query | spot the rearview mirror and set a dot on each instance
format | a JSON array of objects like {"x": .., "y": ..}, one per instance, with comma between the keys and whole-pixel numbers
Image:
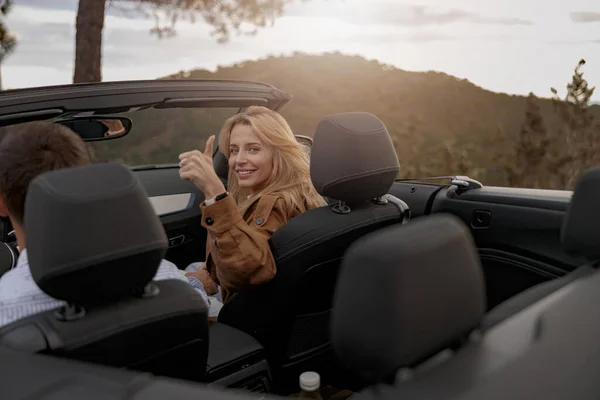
[{"x": 92, "y": 129}]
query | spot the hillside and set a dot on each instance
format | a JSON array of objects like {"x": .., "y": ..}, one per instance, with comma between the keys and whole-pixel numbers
[
  {"x": 443, "y": 106},
  {"x": 424, "y": 111},
  {"x": 321, "y": 84}
]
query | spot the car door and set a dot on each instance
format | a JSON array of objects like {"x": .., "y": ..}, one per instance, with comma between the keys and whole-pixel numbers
[
  {"x": 168, "y": 117},
  {"x": 517, "y": 231}
]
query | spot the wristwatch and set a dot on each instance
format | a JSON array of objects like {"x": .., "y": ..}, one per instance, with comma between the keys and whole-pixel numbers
[{"x": 218, "y": 197}]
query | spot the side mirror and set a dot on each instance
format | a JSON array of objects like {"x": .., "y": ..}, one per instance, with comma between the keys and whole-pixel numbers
[
  {"x": 93, "y": 129},
  {"x": 305, "y": 140}
]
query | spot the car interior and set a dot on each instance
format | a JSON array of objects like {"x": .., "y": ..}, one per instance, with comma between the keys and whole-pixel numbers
[{"x": 395, "y": 289}]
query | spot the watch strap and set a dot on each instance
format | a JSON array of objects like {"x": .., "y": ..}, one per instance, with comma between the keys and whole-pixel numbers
[{"x": 218, "y": 197}]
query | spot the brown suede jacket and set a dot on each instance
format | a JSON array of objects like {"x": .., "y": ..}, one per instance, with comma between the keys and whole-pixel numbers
[{"x": 238, "y": 255}]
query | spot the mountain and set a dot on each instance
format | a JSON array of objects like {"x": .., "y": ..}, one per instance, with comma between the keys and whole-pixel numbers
[
  {"x": 441, "y": 105},
  {"x": 425, "y": 112},
  {"x": 445, "y": 106}
]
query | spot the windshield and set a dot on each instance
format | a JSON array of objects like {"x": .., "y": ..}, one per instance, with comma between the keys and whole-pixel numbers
[{"x": 158, "y": 136}]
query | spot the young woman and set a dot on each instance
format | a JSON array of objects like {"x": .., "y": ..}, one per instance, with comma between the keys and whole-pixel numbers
[{"x": 269, "y": 184}]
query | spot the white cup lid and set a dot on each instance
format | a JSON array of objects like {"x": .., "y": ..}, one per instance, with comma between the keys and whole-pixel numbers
[{"x": 310, "y": 381}]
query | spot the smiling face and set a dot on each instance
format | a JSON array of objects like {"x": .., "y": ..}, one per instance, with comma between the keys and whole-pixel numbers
[{"x": 249, "y": 158}]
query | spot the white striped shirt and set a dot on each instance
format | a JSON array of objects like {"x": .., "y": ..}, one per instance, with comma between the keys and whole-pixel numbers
[{"x": 21, "y": 297}]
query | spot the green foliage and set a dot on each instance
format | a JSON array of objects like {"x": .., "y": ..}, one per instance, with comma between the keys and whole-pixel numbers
[
  {"x": 8, "y": 41},
  {"x": 576, "y": 147},
  {"x": 224, "y": 16},
  {"x": 548, "y": 158},
  {"x": 523, "y": 159},
  {"x": 578, "y": 91},
  {"x": 439, "y": 124},
  {"x": 158, "y": 136}
]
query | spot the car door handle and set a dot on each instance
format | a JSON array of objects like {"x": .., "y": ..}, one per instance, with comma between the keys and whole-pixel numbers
[
  {"x": 176, "y": 240},
  {"x": 481, "y": 219}
]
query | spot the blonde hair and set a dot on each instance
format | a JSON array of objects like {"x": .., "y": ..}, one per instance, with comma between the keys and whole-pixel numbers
[{"x": 291, "y": 169}]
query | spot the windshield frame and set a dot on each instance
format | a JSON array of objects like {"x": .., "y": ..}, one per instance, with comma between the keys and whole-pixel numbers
[{"x": 49, "y": 102}]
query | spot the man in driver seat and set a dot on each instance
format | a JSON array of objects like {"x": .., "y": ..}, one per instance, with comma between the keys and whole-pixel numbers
[{"x": 26, "y": 152}]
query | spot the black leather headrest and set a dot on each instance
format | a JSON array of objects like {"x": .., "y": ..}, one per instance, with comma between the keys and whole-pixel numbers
[
  {"x": 580, "y": 233},
  {"x": 92, "y": 234},
  {"x": 405, "y": 293},
  {"x": 353, "y": 158}
]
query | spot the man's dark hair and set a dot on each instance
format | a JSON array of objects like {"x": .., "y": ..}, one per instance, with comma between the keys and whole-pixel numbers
[{"x": 30, "y": 149}]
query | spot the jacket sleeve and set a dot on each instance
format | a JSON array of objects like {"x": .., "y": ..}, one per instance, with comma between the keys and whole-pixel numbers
[{"x": 240, "y": 251}]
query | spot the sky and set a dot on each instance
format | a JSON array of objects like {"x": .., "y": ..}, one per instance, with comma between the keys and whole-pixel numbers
[{"x": 511, "y": 46}]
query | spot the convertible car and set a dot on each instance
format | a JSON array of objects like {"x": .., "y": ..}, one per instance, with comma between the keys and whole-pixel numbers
[{"x": 397, "y": 289}]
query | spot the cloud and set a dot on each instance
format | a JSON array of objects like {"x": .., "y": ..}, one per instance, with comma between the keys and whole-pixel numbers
[
  {"x": 381, "y": 12},
  {"x": 582, "y": 17},
  {"x": 428, "y": 37},
  {"x": 562, "y": 42},
  {"x": 421, "y": 16},
  {"x": 46, "y": 39},
  {"x": 51, "y": 44},
  {"x": 49, "y": 5},
  {"x": 388, "y": 36},
  {"x": 126, "y": 9},
  {"x": 46, "y": 35},
  {"x": 48, "y": 44},
  {"x": 357, "y": 12}
]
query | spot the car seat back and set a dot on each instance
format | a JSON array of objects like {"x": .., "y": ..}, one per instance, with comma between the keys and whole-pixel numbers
[
  {"x": 354, "y": 162},
  {"x": 95, "y": 242}
]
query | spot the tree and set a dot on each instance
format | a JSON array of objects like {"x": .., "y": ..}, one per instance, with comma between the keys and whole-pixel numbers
[
  {"x": 224, "y": 15},
  {"x": 577, "y": 145},
  {"x": 8, "y": 41},
  {"x": 552, "y": 158},
  {"x": 530, "y": 149}
]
